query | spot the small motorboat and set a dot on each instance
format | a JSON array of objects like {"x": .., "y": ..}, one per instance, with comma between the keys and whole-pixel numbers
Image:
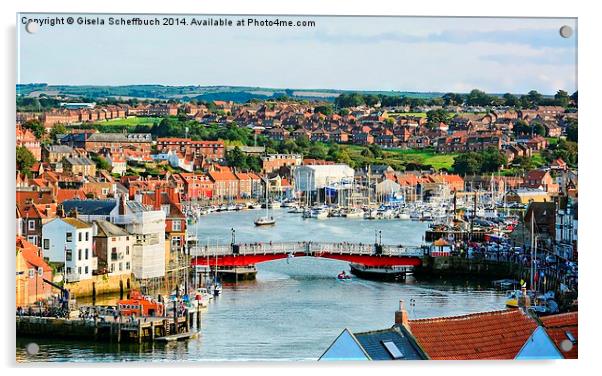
[{"x": 343, "y": 276}]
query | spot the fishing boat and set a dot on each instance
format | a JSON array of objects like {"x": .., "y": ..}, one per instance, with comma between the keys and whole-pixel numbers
[
  {"x": 140, "y": 306},
  {"x": 384, "y": 273}
]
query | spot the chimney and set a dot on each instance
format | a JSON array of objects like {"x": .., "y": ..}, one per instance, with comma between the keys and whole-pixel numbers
[
  {"x": 157, "y": 205},
  {"x": 401, "y": 315},
  {"x": 122, "y": 205}
]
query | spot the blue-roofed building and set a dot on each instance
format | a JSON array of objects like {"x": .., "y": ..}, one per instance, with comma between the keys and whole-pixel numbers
[
  {"x": 539, "y": 346},
  {"x": 90, "y": 210},
  {"x": 395, "y": 343}
]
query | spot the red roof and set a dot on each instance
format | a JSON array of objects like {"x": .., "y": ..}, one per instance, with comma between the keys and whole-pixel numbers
[
  {"x": 30, "y": 253},
  {"x": 69, "y": 194},
  {"x": 486, "y": 335},
  {"x": 558, "y": 326}
]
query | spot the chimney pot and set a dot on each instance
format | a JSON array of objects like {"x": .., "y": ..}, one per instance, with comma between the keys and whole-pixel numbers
[{"x": 401, "y": 316}]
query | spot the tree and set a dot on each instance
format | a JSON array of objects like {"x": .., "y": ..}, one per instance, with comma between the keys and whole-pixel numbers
[
  {"x": 467, "y": 163},
  {"x": 524, "y": 163},
  {"x": 317, "y": 151},
  {"x": 511, "y": 100},
  {"x": 575, "y": 98},
  {"x": 434, "y": 117},
  {"x": 349, "y": 100},
  {"x": 562, "y": 98},
  {"x": 492, "y": 160},
  {"x": 24, "y": 160},
  {"x": 371, "y": 100},
  {"x": 323, "y": 109},
  {"x": 101, "y": 163},
  {"x": 236, "y": 158},
  {"x": 376, "y": 150},
  {"x": 478, "y": 98},
  {"x": 572, "y": 131},
  {"x": 36, "y": 128},
  {"x": 537, "y": 128},
  {"x": 521, "y": 127},
  {"x": 56, "y": 130},
  {"x": 534, "y": 98},
  {"x": 452, "y": 99}
]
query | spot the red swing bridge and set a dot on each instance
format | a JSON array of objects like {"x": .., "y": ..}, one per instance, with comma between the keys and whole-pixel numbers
[{"x": 362, "y": 256}]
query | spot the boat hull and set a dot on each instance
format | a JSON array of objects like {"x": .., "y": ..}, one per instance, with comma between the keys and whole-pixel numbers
[{"x": 379, "y": 274}]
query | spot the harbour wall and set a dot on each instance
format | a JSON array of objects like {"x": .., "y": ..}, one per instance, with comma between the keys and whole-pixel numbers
[
  {"x": 455, "y": 266},
  {"x": 99, "y": 285}
]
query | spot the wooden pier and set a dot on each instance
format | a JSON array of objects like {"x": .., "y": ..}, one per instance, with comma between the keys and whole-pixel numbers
[{"x": 104, "y": 328}]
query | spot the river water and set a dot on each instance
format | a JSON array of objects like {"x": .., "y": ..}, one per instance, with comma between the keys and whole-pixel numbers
[{"x": 296, "y": 307}]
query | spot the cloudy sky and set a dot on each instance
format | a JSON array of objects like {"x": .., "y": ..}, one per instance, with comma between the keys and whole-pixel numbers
[{"x": 352, "y": 53}]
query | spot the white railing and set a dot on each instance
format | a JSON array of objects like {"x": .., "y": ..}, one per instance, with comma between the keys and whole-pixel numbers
[{"x": 314, "y": 248}]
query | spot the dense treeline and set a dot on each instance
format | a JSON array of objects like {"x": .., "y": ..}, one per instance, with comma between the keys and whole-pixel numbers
[{"x": 474, "y": 98}]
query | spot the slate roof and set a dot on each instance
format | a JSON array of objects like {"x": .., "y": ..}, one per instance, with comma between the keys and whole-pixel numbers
[
  {"x": 373, "y": 344},
  {"x": 485, "y": 335},
  {"x": 557, "y": 327},
  {"x": 76, "y": 222},
  {"x": 90, "y": 207},
  {"x": 120, "y": 137},
  {"x": 59, "y": 149},
  {"x": 107, "y": 229}
]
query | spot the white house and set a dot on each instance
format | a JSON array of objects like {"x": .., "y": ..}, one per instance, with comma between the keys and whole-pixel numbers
[
  {"x": 117, "y": 162},
  {"x": 69, "y": 241}
]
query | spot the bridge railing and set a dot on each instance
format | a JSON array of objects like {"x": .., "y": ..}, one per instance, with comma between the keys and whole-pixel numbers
[{"x": 316, "y": 248}]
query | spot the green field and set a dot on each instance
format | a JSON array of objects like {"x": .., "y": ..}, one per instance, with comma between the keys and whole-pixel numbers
[
  {"x": 394, "y": 157},
  {"x": 130, "y": 121},
  {"x": 416, "y": 114},
  {"x": 426, "y": 157}
]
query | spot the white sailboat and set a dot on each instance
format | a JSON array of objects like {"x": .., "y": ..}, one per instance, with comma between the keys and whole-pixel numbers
[{"x": 267, "y": 220}]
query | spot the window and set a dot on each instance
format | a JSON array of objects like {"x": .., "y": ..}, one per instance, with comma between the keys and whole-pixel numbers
[
  {"x": 112, "y": 267},
  {"x": 79, "y": 254},
  {"x": 68, "y": 236},
  {"x": 46, "y": 243},
  {"x": 79, "y": 236},
  {"x": 127, "y": 249},
  {"x": 86, "y": 269},
  {"x": 120, "y": 266},
  {"x": 79, "y": 270},
  {"x": 177, "y": 225},
  {"x": 31, "y": 224},
  {"x": 87, "y": 235},
  {"x": 127, "y": 266},
  {"x": 86, "y": 253},
  {"x": 393, "y": 350},
  {"x": 68, "y": 255},
  {"x": 68, "y": 270}
]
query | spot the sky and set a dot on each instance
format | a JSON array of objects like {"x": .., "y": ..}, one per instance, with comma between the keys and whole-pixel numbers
[{"x": 496, "y": 55}]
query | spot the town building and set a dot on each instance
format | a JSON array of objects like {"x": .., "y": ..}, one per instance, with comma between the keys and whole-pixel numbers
[
  {"x": 68, "y": 242},
  {"x": 147, "y": 227},
  {"x": 113, "y": 248},
  {"x": 31, "y": 270}
]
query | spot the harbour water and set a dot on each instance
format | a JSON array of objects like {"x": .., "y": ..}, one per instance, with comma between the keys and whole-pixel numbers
[{"x": 296, "y": 307}]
